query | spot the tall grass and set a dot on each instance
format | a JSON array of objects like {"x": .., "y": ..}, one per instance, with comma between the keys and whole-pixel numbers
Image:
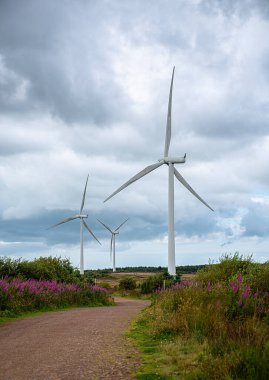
[{"x": 223, "y": 315}]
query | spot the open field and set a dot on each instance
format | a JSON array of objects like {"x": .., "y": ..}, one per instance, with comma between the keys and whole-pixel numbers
[{"x": 113, "y": 279}]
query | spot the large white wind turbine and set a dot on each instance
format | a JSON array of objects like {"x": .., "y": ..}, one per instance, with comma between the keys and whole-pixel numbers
[
  {"x": 169, "y": 161},
  {"x": 112, "y": 242},
  {"x": 83, "y": 224}
]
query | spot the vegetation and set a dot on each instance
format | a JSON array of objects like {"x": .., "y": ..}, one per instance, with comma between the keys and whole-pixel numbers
[
  {"x": 156, "y": 283},
  {"x": 127, "y": 283},
  {"x": 43, "y": 284},
  {"x": 43, "y": 268},
  {"x": 187, "y": 269},
  {"x": 216, "y": 327}
]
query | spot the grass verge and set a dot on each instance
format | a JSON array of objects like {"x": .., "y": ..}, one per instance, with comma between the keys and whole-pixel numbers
[
  {"x": 213, "y": 328},
  {"x": 165, "y": 356}
]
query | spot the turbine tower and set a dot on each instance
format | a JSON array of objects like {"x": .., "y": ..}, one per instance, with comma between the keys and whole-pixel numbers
[
  {"x": 112, "y": 243},
  {"x": 83, "y": 224},
  {"x": 169, "y": 161}
]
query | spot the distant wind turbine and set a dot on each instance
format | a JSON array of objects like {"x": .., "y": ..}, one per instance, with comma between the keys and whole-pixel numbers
[
  {"x": 112, "y": 242},
  {"x": 83, "y": 224},
  {"x": 169, "y": 161}
]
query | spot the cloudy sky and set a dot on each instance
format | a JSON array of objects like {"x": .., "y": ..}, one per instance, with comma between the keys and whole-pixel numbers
[{"x": 84, "y": 89}]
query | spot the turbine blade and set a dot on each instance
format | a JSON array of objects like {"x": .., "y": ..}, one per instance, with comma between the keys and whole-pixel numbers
[
  {"x": 90, "y": 231},
  {"x": 84, "y": 194},
  {"x": 143, "y": 172},
  {"x": 105, "y": 226},
  {"x": 168, "y": 123},
  {"x": 111, "y": 244},
  {"x": 185, "y": 183},
  {"x": 121, "y": 225},
  {"x": 63, "y": 221}
]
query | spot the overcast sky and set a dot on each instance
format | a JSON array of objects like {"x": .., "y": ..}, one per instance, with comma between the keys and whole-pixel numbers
[{"x": 84, "y": 89}]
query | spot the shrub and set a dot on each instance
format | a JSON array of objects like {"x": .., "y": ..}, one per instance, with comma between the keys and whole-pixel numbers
[
  {"x": 105, "y": 284},
  {"x": 258, "y": 277},
  {"x": 228, "y": 267},
  {"x": 18, "y": 295},
  {"x": 9, "y": 267},
  {"x": 43, "y": 268},
  {"x": 228, "y": 320},
  {"x": 127, "y": 283},
  {"x": 154, "y": 283}
]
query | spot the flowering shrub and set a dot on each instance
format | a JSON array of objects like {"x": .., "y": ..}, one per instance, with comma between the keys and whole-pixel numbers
[
  {"x": 26, "y": 295},
  {"x": 227, "y": 319},
  {"x": 245, "y": 300}
]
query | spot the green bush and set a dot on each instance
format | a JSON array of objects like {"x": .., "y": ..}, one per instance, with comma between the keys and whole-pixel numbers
[
  {"x": 105, "y": 285},
  {"x": 127, "y": 283},
  {"x": 228, "y": 267},
  {"x": 43, "y": 268},
  {"x": 258, "y": 277},
  {"x": 9, "y": 267},
  {"x": 156, "y": 282}
]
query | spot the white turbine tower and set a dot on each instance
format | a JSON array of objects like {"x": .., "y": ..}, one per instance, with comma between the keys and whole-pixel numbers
[
  {"x": 112, "y": 242},
  {"x": 169, "y": 161},
  {"x": 83, "y": 224}
]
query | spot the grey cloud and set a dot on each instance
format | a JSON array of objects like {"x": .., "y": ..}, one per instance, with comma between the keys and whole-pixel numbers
[
  {"x": 60, "y": 51},
  {"x": 144, "y": 227},
  {"x": 240, "y": 124},
  {"x": 65, "y": 54},
  {"x": 241, "y": 8},
  {"x": 197, "y": 226},
  {"x": 256, "y": 221}
]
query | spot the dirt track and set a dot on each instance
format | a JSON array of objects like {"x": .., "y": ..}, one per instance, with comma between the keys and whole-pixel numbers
[{"x": 76, "y": 344}]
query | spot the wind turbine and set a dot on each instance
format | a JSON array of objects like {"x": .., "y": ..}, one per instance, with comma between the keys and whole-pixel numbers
[
  {"x": 83, "y": 224},
  {"x": 169, "y": 161},
  {"x": 112, "y": 243}
]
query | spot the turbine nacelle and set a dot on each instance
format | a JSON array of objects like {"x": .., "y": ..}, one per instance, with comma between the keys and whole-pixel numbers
[
  {"x": 173, "y": 160},
  {"x": 83, "y": 216}
]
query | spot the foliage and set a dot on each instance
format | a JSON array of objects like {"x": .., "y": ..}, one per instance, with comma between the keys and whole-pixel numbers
[
  {"x": 258, "y": 277},
  {"x": 18, "y": 295},
  {"x": 155, "y": 283},
  {"x": 105, "y": 284},
  {"x": 228, "y": 266},
  {"x": 127, "y": 283},
  {"x": 214, "y": 329},
  {"x": 43, "y": 268}
]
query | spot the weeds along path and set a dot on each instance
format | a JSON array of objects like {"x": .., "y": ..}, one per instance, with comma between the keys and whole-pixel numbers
[{"x": 76, "y": 344}]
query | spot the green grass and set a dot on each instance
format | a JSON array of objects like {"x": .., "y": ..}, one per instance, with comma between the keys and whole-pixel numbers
[{"x": 165, "y": 356}]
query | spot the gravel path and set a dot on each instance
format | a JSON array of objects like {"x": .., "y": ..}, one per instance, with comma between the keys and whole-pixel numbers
[{"x": 76, "y": 344}]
